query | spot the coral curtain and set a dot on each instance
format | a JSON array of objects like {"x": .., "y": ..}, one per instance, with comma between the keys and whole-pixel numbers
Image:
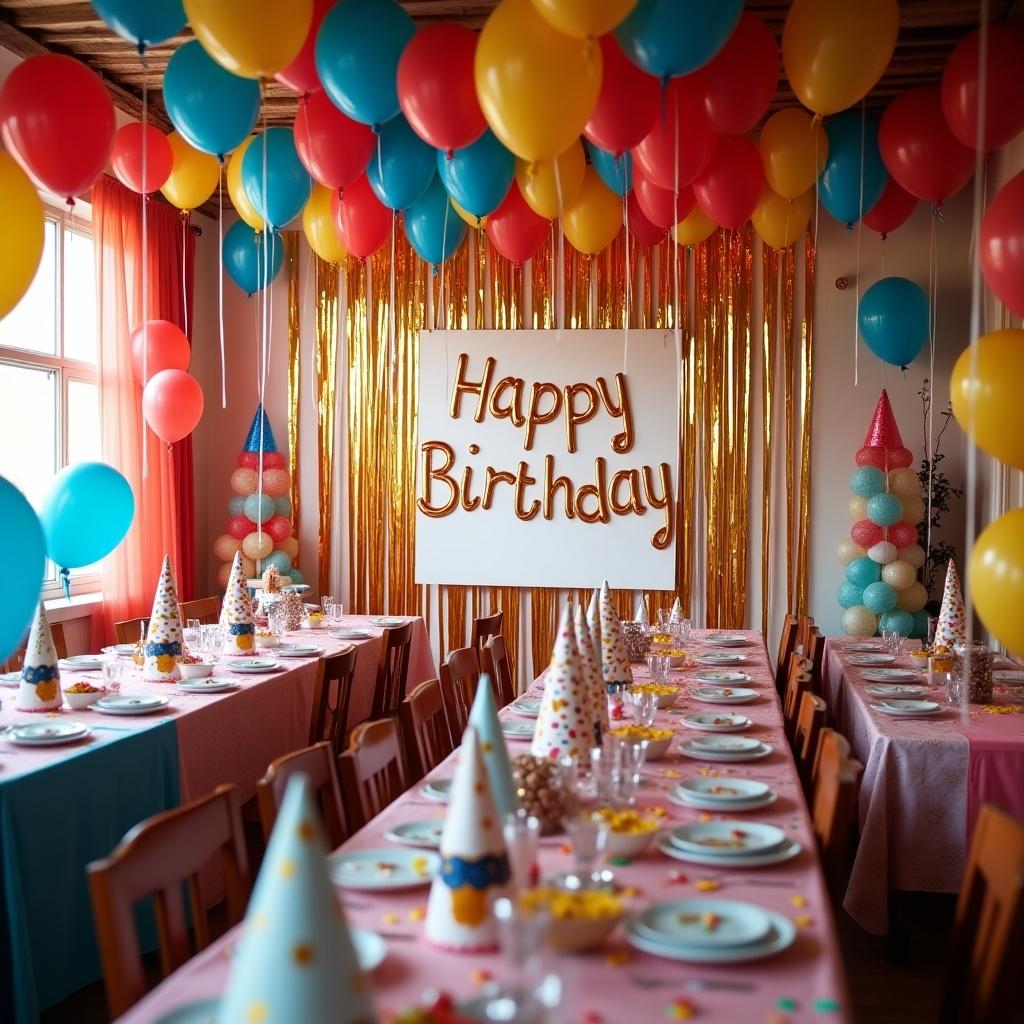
[{"x": 163, "y": 486}]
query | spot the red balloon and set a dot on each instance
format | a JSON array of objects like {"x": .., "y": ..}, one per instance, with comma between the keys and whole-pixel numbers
[
  {"x": 279, "y": 528},
  {"x": 739, "y": 82},
  {"x": 172, "y": 403},
  {"x": 891, "y": 210},
  {"x": 57, "y": 120},
  {"x": 1002, "y": 244},
  {"x": 251, "y": 460},
  {"x": 659, "y": 205},
  {"x": 332, "y": 147},
  {"x": 168, "y": 349},
  {"x": 126, "y": 158},
  {"x": 885, "y": 458},
  {"x": 241, "y": 526},
  {"x": 301, "y": 74},
  {"x": 902, "y": 534},
  {"x": 730, "y": 187},
  {"x": 627, "y": 105},
  {"x": 919, "y": 150},
  {"x": 681, "y": 127},
  {"x": 639, "y": 226},
  {"x": 437, "y": 88},
  {"x": 515, "y": 230},
  {"x": 866, "y": 533},
  {"x": 362, "y": 221},
  {"x": 1004, "y": 97},
  {"x": 273, "y": 460}
]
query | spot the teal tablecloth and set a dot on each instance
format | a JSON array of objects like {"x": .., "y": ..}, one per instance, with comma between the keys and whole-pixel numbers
[{"x": 54, "y": 821}]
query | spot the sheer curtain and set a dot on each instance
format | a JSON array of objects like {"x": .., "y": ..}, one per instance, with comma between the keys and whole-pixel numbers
[{"x": 163, "y": 493}]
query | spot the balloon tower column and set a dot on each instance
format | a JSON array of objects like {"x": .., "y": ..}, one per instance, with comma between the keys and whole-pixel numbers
[
  {"x": 881, "y": 555},
  {"x": 260, "y": 525}
]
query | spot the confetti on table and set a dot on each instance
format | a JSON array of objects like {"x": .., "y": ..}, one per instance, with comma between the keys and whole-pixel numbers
[
  {"x": 826, "y": 1005},
  {"x": 592, "y": 1017},
  {"x": 630, "y": 892},
  {"x": 391, "y": 918},
  {"x": 803, "y": 920},
  {"x": 480, "y": 976},
  {"x": 677, "y": 877},
  {"x": 798, "y": 900},
  {"x": 787, "y": 1003},
  {"x": 565, "y": 848},
  {"x": 680, "y": 1009},
  {"x": 619, "y": 862},
  {"x": 619, "y": 958},
  {"x": 774, "y": 1017},
  {"x": 706, "y": 884},
  {"x": 703, "y": 816},
  {"x": 417, "y": 914},
  {"x": 671, "y": 773}
]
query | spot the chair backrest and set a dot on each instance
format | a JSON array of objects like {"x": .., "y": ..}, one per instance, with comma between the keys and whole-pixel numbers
[
  {"x": 803, "y": 633},
  {"x": 485, "y": 627},
  {"x": 495, "y": 664},
  {"x": 152, "y": 862},
  {"x": 128, "y": 631},
  {"x": 459, "y": 675},
  {"x": 981, "y": 982},
  {"x": 372, "y": 775},
  {"x": 392, "y": 670},
  {"x": 15, "y": 662},
  {"x": 787, "y": 641},
  {"x": 426, "y": 736},
  {"x": 810, "y": 720},
  {"x": 319, "y": 764},
  {"x": 815, "y": 654},
  {"x": 205, "y": 609},
  {"x": 797, "y": 683},
  {"x": 332, "y": 698},
  {"x": 834, "y": 802}
]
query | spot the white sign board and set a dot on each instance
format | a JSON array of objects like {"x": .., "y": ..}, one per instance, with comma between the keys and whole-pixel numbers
[{"x": 542, "y": 464}]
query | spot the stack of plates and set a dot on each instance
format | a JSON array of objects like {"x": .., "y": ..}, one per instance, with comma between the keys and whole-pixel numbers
[
  {"x": 516, "y": 729},
  {"x": 909, "y": 708},
  {"x": 1009, "y": 677},
  {"x": 437, "y": 789},
  {"x": 891, "y": 675},
  {"x": 724, "y": 748},
  {"x": 46, "y": 734},
  {"x": 896, "y": 690},
  {"x": 724, "y": 694},
  {"x": 350, "y": 634},
  {"x": 727, "y": 795},
  {"x": 730, "y": 843},
  {"x": 381, "y": 870},
  {"x": 251, "y": 666},
  {"x": 862, "y": 645},
  {"x": 384, "y": 623},
  {"x": 528, "y": 707},
  {"x": 298, "y": 651},
  {"x": 10, "y": 679},
  {"x": 723, "y": 721},
  {"x": 722, "y": 678},
  {"x": 720, "y": 658},
  {"x": 82, "y": 663},
  {"x": 709, "y": 931},
  {"x": 726, "y": 640},
  {"x": 212, "y": 685},
  {"x": 871, "y": 660},
  {"x": 120, "y": 650},
  {"x": 417, "y": 833},
  {"x": 124, "y": 704}
]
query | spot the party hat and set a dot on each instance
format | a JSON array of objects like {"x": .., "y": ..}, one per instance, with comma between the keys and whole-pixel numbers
[
  {"x": 952, "y": 625},
  {"x": 594, "y": 623},
  {"x": 484, "y": 718},
  {"x": 236, "y": 612},
  {"x": 614, "y": 660},
  {"x": 592, "y": 674},
  {"x": 474, "y": 868},
  {"x": 676, "y": 615},
  {"x": 163, "y": 641},
  {"x": 295, "y": 961},
  {"x": 642, "y": 614},
  {"x": 565, "y": 725},
  {"x": 40, "y": 674},
  {"x": 260, "y": 424},
  {"x": 883, "y": 445}
]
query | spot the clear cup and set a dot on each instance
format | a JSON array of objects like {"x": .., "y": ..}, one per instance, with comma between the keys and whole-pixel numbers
[
  {"x": 522, "y": 933},
  {"x": 645, "y": 706},
  {"x": 325, "y": 603},
  {"x": 685, "y": 628},
  {"x": 588, "y": 833},
  {"x": 113, "y": 673},
  {"x": 659, "y": 666},
  {"x": 521, "y": 832}
]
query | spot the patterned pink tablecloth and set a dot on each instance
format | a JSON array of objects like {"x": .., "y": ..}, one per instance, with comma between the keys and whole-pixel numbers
[{"x": 613, "y": 984}]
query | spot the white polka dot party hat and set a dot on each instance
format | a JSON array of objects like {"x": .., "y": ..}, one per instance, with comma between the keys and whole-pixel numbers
[
  {"x": 952, "y": 625},
  {"x": 594, "y": 622},
  {"x": 474, "y": 862},
  {"x": 295, "y": 961},
  {"x": 163, "y": 640},
  {"x": 676, "y": 615},
  {"x": 40, "y": 674},
  {"x": 591, "y": 672},
  {"x": 483, "y": 716},
  {"x": 642, "y": 614},
  {"x": 236, "y": 612},
  {"x": 614, "y": 660}
]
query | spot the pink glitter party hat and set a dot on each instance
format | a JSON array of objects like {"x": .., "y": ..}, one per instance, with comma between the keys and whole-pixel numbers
[{"x": 883, "y": 432}]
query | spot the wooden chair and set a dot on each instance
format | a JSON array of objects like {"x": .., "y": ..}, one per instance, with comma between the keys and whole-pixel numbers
[
  {"x": 787, "y": 641},
  {"x": 425, "y": 734},
  {"x": 15, "y": 662},
  {"x": 803, "y": 633},
  {"x": 128, "y": 631},
  {"x": 319, "y": 764},
  {"x": 835, "y": 803},
  {"x": 460, "y": 674},
  {"x": 205, "y": 609},
  {"x": 495, "y": 664},
  {"x": 371, "y": 770},
  {"x": 152, "y": 862},
  {"x": 485, "y": 627},
  {"x": 392, "y": 671},
  {"x": 810, "y": 720},
  {"x": 798, "y": 683},
  {"x": 981, "y": 976},
  {"x": 815, "y": 654},
  {"x": 332, "y": 698}
]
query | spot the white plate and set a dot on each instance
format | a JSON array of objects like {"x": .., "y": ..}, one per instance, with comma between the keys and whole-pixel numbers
[
  {"x": 753, "y": 839},
  {"x": 212, "y": 685},
  {"x": 862, "y": 647},
  {"x": 252, "y": 666},
  {"x": 350, "y": 634},
  {"x": 891, "y": 675},
  {"x": 679, "y": 923},
  {"x": 720, "y": 678},
  {"x": 125, "y": 704},
  {"x": 720, "y": 658},
  {"x": 369, "y": 947},
  {"x": 46, "y": 734},
  {"x": 724, "y": 744},
  {"x": 685, "y": 799},
  {"x": 525, "y": 706},
  {"x": 516, "y": 729},
  {"x": 386, "y": 623},
  {"x": 417, "y": 833},
  {"x": 437, "y": 789},
  {"x": 120, "y": 650},
  {"x": 724, "y": 694},
  {"x": 763, "y": 750},
  {"x": 298, "y": 651},
  {"x": 10, "y": 679},
  {"x": 724, "y": 721},
  {"x": 1009, "y": 677},
  {"x": 381, "y": 870},
  {"x": 705, "y": 789},
  {"x": 787, "y": 851},
  {"x": 909, "y": 708},
  {"x": 82, "y": 662},
  {"x": 891, "y": 690},
  {"x": 869, "y": 660},
  {"x": 726, "y": 640}
]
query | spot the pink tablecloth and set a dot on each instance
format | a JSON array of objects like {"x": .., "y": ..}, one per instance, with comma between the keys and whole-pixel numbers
[{"x": 608, "y": 985}]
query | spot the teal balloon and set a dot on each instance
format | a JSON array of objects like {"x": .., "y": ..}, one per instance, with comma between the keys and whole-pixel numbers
[
  {"x": 853, "y": 178},
  {"x": 357, "y": 52},
  {"x": 867, "y": 481},
  {"x": 258, "y": 507},
  {"x": 920, "y": 630},
  {"x": 279, "y": 560},
  {"x": 901, "y": 621},
  {"x": 885, "y": 509},
  {"x": 879, "y": 598},
  {"x": 894, "y": 317},
  {"x": 478, "y": 176},
  {"x": 297, "y": 577},
  {"x": 862, "y": 572},
  {"x": 236, "y": 505},
  {"x": 244, "y": 256},
  {"x": 849, "y": 594},
  {"x": 403, "y": 167},
  {"x": 615, "y": 171},
  {"x": 212, "y": 109},
  {"x": 86, "y": 513},
  {"x": 24, "y": 564},
  {"x": 433, "y": 227},
  {"x": 278, "y": 185},
  {"x": 283, "y": 506},
  {"x": 142, "y": 22}
]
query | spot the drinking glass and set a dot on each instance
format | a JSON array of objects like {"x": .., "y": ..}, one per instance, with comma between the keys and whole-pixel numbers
[
  {"x": 521, "y": 832},
  {"x": 893, "y": 640},
  {"x": 334, "y": 613},
  {"x": 521, "y": 935},
  {"x": 645, "y": 706},
  {"x": 663, "y": 620},
  {"x": 659, "y": 665},
  {"x": 685, "y": 626},
  {"x": 113, "y": 672},
  {"x": 277, "y": 618},
  {"x": 588, "y": 833},
  {"x": 325, "y": 603},
  {"x": 632, "y": 756}
]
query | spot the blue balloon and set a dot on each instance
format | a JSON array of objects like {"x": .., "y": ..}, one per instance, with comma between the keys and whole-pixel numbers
[
  {"x": 403, "y": 167},
  {"x": 243, "y": 256},
  {"x": 283, "y": 506},
  {"x": 24, "y": 563},
  {"x": 357, "y": 52},
  {"x": 675, "y": 37},
  {"x": 895, "y": 318},
  {"x": 901, "y": 621},
  {"x": 258, "y": 507},
  {"x": 279, "y": 560},
  {"x": 479, "y": 176},
  {"x": 235, "y": 505},
  {"x": 288, "y": 184},
  {"x": 867, "y": 481},
  {"x": 862, "y": 572},
  {"x": 142, "y": 22},
  {"x": 840, "y": 183},
  {"x": 615, "y": 171},
  {"x": 86, "y": 513},
  {"x": 849, "y": 594},
  {"x": 885, "y": 509},
  {"x": 920, "y": 624},
  {"x": 433, "y": 228},
  {"x": 297, "y": 578},
  {"x": 212, "y": 109},
  {"x": 879, "y": 598}
]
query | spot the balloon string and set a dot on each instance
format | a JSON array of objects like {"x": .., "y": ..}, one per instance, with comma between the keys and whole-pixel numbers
[
  {"x": 145, "y": 283},
  {"x": 220, "y": 285},
  {"x": 559, "y": 254},
  {"x": 625, "y": 239},
  {"x": 933, "y": 275},
  {"x": 185, "y": 222},
  {"x": 264, "y": 334},
  {"x": 444, "y": 249},
  {"x": 860, "y": 218}
]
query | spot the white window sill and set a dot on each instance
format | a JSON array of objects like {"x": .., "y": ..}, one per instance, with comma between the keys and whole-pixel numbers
[{"x": 80, "y": 606}]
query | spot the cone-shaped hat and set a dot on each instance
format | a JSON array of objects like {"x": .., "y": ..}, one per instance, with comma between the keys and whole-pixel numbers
[
  {"x": 163, "y": 639},
  {"x": 236, "y": 612},
  {"x": 952, "y": 625},
  {"x": 40, "y": 674},
  {"x": 260, "y": 422},
  {"x": 565, "y": 725},
  {"x": 484, "y": 718},
  {"x": 614, "y": 660}
]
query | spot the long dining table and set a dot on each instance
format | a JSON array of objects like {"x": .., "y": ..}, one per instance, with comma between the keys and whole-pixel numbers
[
  {"x": 614, "y": 983},
  {"x": 64, "y": 806}
]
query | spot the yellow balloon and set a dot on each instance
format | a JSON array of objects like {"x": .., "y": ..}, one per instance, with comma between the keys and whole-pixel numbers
[
  {"x": 986, "y": 396},
  {"x": 21, "y": 244},
  {"x": 470, "y": 218},
  {"x": 997, "y": 579},
  {"x": 318, "y": 225},
  {"x": 584, "y": 19},
  {"x": 236, "y": 190},
  {"x": 536, "y": 87},
  {"x": 594, "y": 219},
  {"x": 541, "y": 186},
  {"x": 834, "y": 51},
  {"x": 913, "y": 599},
  {"x": 193, "y": 177},
  {"x": 290, "y": 546},
  {"x": 251, "y": 38},
  {"x": 780, "y": 222},
  {"x": 257, "y": 545},
  {"x": 695, "y": 228},
  {"x": 794, "y": 148}
]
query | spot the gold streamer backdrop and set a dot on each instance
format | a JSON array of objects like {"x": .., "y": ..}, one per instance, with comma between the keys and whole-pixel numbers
[{"x": 291, "y": 257}]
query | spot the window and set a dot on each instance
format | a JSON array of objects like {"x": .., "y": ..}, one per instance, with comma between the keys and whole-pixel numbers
[{"x": 49, "y": 348}]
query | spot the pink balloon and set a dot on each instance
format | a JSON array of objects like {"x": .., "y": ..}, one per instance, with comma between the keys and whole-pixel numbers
[
  {"x": 866, "y": 533},
  {"x": 639, "y": 226},
  {"x": 627, "y": 105},
  {"x": 301, "y": 74},
  {"x": 279, "y": 528},
  {"x": 172, "y": 403},
  {"x": 659, "y": 205},
  {"x": 892, "y": 209},
  {"x": 1002, "y": 244},
  {"x": 903, "y": 534},
  {"x": 730, "y": 187},
  {"x": 168, "y": 349}
]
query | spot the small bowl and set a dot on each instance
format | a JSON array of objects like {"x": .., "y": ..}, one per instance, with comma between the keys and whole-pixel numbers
[
  {"x": 628, "y": 844},
  {"x": 77, "y": 701},
  {"x": 655, "y": 748},
  {"x": 266, "y": 643},
  {"x": 577, "y": 936},
  {"x": 314, "y": 623},
  {"x": 200, "y": 670}
]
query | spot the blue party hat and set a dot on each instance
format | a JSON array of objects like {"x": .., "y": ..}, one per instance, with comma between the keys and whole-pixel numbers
[
  {"x": 252, "y": 441},
  {"x": 296, "y": 961},
  {"x": 484, "y": 718}
]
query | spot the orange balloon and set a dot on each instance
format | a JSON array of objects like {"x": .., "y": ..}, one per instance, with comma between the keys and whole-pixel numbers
[
  {"x": 695, "y": 228},
  {"x": 794, "y": 148},
  {"x": 780, "y": 222}
]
